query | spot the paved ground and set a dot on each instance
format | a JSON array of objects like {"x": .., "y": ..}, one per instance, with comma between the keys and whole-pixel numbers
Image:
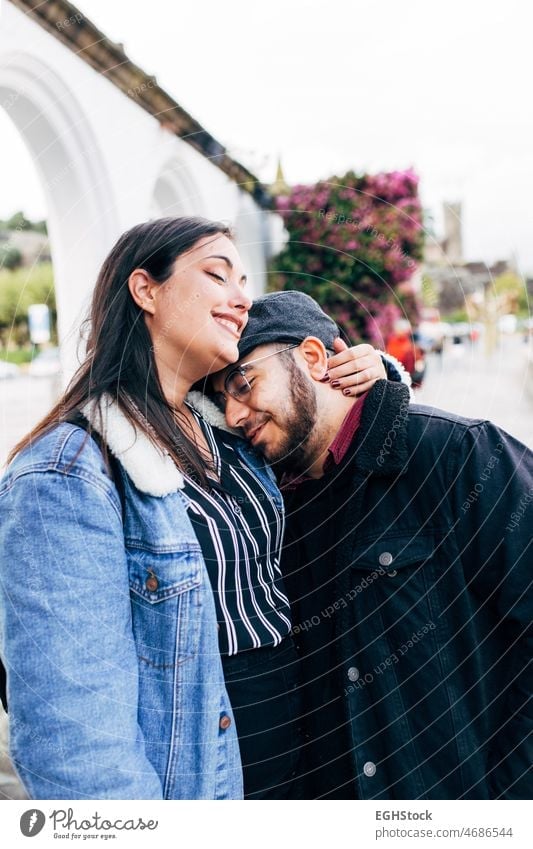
[
  {"x": 22, "y": 403},
  {"x": 463, "y": 380},
  {"x": 499, "y": 388}
]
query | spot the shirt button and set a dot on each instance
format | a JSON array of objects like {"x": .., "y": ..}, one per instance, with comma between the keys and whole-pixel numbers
[
  {"x": 152, "y": 583},
  {"x": 353, "y": 673},
  {"x": 369, "y": 769},
  {"x": 225, "y": 722},
  {"x": 385, "y": 558}
]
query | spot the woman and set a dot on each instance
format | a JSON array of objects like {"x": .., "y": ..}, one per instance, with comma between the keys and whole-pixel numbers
[{"x": 126, "y": 539}]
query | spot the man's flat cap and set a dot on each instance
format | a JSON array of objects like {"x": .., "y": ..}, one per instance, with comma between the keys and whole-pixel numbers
[{"x": 286, "y": 317}]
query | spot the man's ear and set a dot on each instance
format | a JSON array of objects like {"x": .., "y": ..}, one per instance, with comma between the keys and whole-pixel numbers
[
  {"x": 315, "y": 355},
  {"x": 143, "y": 290}
]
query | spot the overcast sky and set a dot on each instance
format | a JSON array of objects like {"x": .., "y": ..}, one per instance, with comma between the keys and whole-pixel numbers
[{"x": 445, "y": 87}]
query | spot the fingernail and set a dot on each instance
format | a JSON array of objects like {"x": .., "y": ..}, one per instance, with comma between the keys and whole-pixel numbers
[
  {"x": 335, "y": 383},
  {"x": 325, "y": 378},
  {"x": 345, "y": 391}
]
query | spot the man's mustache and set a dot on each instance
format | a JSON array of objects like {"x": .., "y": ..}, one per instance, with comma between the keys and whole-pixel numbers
[{"x": 252, "y": 425}]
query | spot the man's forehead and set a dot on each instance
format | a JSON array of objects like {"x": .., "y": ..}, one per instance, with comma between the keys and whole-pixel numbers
[{"x": 219, "y": 378}]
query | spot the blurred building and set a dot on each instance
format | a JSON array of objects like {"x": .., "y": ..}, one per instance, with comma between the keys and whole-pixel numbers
[
  {"x": 34, "y": 247},
  {"x": 455, "y": 280}
]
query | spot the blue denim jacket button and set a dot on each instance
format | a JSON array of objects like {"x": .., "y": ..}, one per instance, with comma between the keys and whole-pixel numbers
[{"x": 152, "y": 583}]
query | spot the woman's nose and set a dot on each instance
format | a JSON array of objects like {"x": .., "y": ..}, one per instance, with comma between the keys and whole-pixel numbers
[{"x": 241, "y": 301}]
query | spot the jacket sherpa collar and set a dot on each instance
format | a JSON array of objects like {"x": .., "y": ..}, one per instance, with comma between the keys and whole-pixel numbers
[
  {"x": 381, "y": 446},
  {"x": 149, "y": 466}
]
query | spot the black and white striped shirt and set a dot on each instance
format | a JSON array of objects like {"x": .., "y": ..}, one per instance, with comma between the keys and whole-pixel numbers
[{"x": 240, "y": 531}]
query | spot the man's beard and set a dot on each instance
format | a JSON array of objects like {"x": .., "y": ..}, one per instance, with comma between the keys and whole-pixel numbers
[{"x": 293, "y": 454}]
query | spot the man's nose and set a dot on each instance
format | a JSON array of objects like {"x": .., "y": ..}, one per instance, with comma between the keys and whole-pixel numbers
[{"x": 236, "y": 412}]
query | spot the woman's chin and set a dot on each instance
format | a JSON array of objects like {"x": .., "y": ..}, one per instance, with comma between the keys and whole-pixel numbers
[{"x": 225, "y": 356}]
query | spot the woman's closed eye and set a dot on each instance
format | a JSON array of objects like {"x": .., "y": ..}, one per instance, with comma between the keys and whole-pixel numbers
[{"x": 217, "y": 277}]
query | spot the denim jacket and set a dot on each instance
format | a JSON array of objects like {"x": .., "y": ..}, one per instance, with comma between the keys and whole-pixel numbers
[{"x": 107, "y": 624}]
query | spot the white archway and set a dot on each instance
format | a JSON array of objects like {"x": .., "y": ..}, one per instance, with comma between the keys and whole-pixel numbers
[
  {"x": 175, "y": 192},
  {"x": 81, "y": 212}
]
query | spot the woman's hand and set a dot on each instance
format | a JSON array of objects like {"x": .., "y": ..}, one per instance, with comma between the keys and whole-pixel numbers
[{"x": 354, "y": 370}]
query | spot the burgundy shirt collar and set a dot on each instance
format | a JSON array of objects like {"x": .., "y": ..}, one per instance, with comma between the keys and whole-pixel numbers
[{"x": 337, "y": 450}]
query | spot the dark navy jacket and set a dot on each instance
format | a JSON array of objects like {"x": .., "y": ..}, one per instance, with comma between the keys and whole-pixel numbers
[{"x": 433, "y": 608}]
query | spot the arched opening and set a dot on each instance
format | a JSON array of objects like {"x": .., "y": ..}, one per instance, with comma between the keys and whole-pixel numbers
[
  {"x": 175, "y": 193},
  {"x": 81, "y": 216}
]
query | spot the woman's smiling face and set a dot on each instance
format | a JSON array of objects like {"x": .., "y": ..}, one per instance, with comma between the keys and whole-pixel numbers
[{"x": 196, "y": 317}]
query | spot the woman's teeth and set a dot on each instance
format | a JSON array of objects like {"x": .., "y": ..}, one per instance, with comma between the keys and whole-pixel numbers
[{"x": 230, "y": 325}]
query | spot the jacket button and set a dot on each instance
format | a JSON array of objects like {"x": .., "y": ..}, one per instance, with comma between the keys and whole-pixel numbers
[
  {"x": 369, "y": 769},
  {"x": 225, "y": 722},
  {"x": 385, "y": 558},
  {"x": 353, "y": 673},
  {"x": 152, "y": 583}
]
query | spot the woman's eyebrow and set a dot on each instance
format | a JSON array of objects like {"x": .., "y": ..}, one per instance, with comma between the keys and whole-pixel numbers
[
  {"x": 226, "y": 259},
  {"x": 228, "y": 262}
]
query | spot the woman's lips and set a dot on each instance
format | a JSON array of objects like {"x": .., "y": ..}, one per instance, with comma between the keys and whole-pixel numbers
[{"x": 229, "y": 324}]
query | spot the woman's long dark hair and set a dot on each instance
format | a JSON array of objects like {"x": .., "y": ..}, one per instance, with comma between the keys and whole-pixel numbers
[{"x": 120, "y": 358}]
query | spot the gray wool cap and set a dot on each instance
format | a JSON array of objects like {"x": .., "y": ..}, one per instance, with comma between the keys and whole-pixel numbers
[{"x": 286, "y": 317}]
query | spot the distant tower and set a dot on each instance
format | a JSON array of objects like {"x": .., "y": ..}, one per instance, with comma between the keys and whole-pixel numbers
[
  {"x": 453, "y": 233},
  {"x": 279, "y": 186}
]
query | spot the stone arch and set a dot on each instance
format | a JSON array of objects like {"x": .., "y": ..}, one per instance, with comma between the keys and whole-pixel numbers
[
  {"x": 81, "y": 212},
  {"x": 175, "y": 192}
]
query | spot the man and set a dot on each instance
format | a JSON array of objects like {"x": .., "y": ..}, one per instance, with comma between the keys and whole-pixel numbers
[{"x": 408, "y": 564}]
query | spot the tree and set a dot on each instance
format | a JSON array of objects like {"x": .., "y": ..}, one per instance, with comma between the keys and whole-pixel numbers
[
  {"x": 18, "y": 221},
  {"x": 512, "y": 289},
  {"x": 353, "y": 240},
  {"x": 10, "y": 257},
  {"x": 19, "y": 289}
]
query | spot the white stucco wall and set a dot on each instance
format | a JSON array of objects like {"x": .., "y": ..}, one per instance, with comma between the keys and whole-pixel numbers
[{"x": 106, "y": 164}]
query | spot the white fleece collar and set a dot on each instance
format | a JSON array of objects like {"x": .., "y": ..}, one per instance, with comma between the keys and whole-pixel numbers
[
  {"x": 209, "y": 411},
  {"x": 149, "y": 466},
  {"x": 151, "y": 469}
]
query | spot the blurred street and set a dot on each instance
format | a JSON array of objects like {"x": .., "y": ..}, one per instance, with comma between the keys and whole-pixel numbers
[
  {"x": 23, "y": 401},
  {"x": 499, "y": 388}
]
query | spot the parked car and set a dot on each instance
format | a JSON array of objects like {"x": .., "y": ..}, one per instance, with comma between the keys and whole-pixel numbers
[
  {"x": 45, "y": 364},
  {"x": 432, "y": 335},
  {"x": 507, "y": 323},
  {"x": 8, "y": 370},
  {"x": 526, "y": 327}
]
